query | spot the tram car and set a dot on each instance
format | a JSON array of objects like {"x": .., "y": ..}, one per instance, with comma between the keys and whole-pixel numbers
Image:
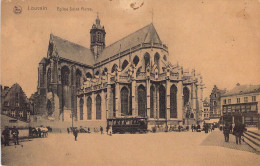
[{"x": 123, "y": 125}]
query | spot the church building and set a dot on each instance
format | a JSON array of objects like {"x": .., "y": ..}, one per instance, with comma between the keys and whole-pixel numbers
[{"x": 131, "y": 77}]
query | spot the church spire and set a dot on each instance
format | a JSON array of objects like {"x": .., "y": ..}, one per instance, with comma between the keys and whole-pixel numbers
[{"x": 97, "y": 20}]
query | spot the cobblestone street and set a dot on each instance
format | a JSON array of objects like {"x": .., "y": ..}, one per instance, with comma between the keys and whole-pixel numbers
[
  {"x": 216, "y": 138},
  {"x": 173, "y": 148}
]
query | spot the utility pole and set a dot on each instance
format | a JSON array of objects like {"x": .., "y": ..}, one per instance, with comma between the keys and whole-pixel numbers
[{"x": 72, "y": 120}]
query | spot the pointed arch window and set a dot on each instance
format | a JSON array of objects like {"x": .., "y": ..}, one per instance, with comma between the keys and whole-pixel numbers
[
  {"x": 141, "y": 101},
  {"x": 186, "y": 93},
  {"x": 89, "y": 108},
  {"x": 78, "y": 79},
  {"x": 162, "y": 102},
  {"x": 124, "y": 101},
  {"x": 152, "y": 95},
  {"x": 124, "y": 65},
  {"x": 65, "y": 75},
  {"x": 136, "y": 60},
  {"x": 49, "y": 80},
  {"x": 81, "y": 103},
  {"x": 173, "y": 102},
  {"x": 98, "y": 107}
]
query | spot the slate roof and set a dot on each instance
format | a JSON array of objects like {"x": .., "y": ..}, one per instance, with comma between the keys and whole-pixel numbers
[
  {"x": 73, "y": 51},
  {"x": 243, "y": 89},
  {"x": 78, "y": 53},
  {"x": 146, "y": 34}
]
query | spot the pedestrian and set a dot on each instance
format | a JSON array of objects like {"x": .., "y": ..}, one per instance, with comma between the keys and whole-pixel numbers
[
  {"x": 75, "y": 133},
  {"x": 206, "y": 128},
  {"x": 179, "y": 128},
  {"x": 88, "y": 130},
  {"x": 192, "y": 127},
  {"x": 68, "y": 130},
  {"x": 6, "y": 134},
  {"x": 226, "y": 131},
  {"x": 238, "y": 132},
  {"x": 15, "y": 134},
  {"x": 39, "y": 132},
  {"x": 101, "y": 130}
]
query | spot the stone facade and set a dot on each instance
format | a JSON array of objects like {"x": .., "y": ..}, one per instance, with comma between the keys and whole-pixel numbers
[
  {"x": 15, "y": 104},
  {"x": 215, "y": 107},
  {"x": 241, "y": 104},
  {"x": 131, "y": 77}
]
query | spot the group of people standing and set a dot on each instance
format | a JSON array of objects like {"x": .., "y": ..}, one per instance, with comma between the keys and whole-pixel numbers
[
  {"x": 75, "y": 131},
  {"x": 195, "y": 128},
  {"x": 237, "y": 130},
  {"x": 6, "y": 135}
]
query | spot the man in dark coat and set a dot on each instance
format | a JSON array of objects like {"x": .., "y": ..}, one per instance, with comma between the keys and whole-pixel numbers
[
  {"x": 6, "y": 134},
  {"x": 39, "y": 132},
  {"x": 101, "y": 129},
  {"x": 238, "y": 132},
  {"x": 75, "y": 133},
  {"x": 15, "y": 134},
  {"x": 226, "y": 131}
]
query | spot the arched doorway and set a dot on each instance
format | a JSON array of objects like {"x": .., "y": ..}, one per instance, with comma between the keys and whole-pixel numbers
[
  {"x": 152, "y": 95},
  {"x": 186, "y": 94},
  {"x": 98, "y": 107},
  {"x": 89, "y": 108},
  {"x": 162, "y": 102},
  {"x": 173, "y": 102},
  {"x": 124, "y": 101},
  {"x": 81, "y": 103},
  {"x": 141, "y": 101}
]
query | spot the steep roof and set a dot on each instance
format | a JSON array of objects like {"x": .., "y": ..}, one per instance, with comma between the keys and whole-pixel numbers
[
  {"x": 146, "y": 34},
  {"x": 72, "y": 51},
  {"x": 243, "y": 89}
]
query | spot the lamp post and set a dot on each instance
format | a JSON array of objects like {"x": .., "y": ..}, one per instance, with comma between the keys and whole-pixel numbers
[{"x": 71, "y": 119}]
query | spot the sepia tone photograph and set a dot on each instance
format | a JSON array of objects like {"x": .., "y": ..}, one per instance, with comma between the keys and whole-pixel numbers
[{"x": 130, "y": 82}]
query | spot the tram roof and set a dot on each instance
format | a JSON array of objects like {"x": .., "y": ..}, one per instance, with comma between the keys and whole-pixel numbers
[{"x": 127, "y": 117}]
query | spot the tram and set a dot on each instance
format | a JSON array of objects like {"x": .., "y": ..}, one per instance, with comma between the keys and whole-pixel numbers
[{"x": 127, "y": 125}]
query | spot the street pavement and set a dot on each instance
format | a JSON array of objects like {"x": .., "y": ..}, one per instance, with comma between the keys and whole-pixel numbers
[
  {"x": 217, "y": 139},
  {"x": 173, "y": 148}
]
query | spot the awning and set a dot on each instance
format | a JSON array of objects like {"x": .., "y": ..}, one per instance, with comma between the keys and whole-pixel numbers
[{"x": 212, "y": 121}]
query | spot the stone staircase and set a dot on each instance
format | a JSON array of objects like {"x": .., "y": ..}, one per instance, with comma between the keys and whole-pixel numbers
[{"x": 252, "y": 138}]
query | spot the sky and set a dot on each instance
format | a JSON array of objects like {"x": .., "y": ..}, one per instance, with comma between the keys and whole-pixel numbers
[{"x": 219, "y": 38}]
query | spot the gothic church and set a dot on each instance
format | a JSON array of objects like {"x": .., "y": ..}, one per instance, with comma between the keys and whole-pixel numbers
[{"x": 131, "y": 77}]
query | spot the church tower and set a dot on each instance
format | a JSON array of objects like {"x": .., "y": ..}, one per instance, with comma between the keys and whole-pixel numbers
[{"x": 97, "y": 38}]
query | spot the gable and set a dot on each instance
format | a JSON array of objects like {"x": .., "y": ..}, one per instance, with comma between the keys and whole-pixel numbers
[
  {"x": 146, "y": 34},
  {"x": 71, "y": 51}
]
